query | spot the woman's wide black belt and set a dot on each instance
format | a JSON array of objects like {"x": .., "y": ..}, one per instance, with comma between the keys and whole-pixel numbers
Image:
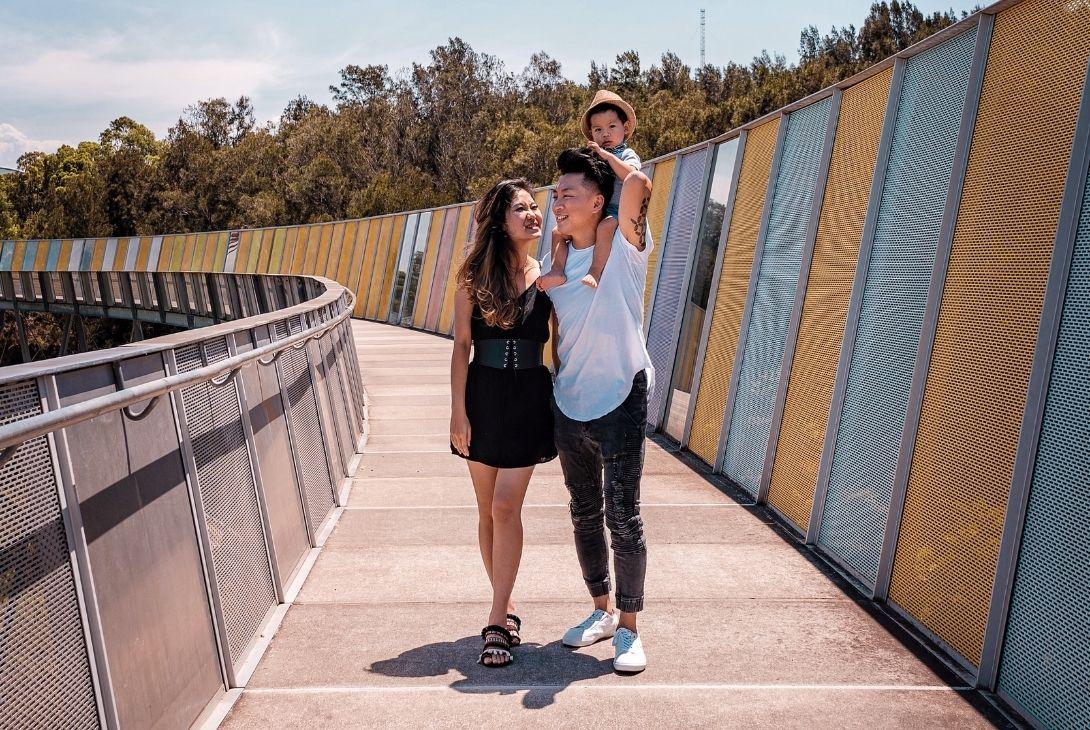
[{"x": 517, "y": 354}]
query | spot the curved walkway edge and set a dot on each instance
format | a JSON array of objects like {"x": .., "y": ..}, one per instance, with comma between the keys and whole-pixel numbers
[{"x": 742, "y": 628}]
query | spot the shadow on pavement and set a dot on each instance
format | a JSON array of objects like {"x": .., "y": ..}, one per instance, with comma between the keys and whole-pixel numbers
[{"x": 541, "y": 671}]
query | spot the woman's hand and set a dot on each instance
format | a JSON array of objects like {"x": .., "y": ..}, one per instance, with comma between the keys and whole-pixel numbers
[{"x": 460, "y": 433}]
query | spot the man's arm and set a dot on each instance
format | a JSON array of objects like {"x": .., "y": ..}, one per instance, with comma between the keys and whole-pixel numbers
[{"x": 632, "y": 217}]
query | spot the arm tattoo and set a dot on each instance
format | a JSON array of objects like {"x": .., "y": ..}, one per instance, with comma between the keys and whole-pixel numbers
[{"x": 640, "y": 221}]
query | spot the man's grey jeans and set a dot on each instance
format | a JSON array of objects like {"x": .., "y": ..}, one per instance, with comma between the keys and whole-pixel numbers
[{"x": 616, "y": 442}]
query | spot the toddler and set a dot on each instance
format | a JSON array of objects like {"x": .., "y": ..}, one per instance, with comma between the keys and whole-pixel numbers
[{"x": 607, "y": 124}]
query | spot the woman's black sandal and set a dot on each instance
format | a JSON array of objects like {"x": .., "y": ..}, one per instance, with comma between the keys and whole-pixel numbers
[
  {"x": 497, "y": 647},
  {"x": 514, "y": 626}
]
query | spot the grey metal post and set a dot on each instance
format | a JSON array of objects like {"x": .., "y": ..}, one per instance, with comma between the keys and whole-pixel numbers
[
  {"x": 679, "y": 315},
  {"x": 1030, "y": 434},
  {"x": 255, "y": 468},
  {"x": 931, "y": 311},
  {"x": 751, "y": 291},
  {"x": 705, "y": 330},
  {"x": 800, "y": 296},
  {"x": 196, "y": 502},
  {"x": 20, "y": 331},
  {"x": 80, "y": 560},
  {"x": 855, "y": 300},
  {"x": 660, "y": 243}
]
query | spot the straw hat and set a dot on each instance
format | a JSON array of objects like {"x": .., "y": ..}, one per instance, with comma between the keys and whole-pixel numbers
[{"x": 608, "y": 97}]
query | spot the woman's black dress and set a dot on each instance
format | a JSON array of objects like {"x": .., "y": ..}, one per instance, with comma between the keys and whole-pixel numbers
[{"x": 510, "y": 411}]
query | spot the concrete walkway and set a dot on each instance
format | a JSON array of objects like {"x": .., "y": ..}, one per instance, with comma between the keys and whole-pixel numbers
[{"x": 742, "y": 629}]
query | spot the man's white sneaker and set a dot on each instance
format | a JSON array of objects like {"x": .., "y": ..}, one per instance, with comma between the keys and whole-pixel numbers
[
  {"x": 595, "y": 627},
  {"x": 628, "y": 653}
]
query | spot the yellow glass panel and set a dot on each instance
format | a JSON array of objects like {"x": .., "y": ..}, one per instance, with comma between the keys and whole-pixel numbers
[
  {"x": 99, "y": 253},
  {"x": 189, "y": 255},
  {"x": 331, "y": 253},
  {"x": 825, "y": 303},
  {"x": 975, "y": 391},
  {"x": 255, "y": 250},
  {"x": 362, "y": 271},
  {"x": 389, "y": 273},
  {"x": 220, "y": 255},
  {"x": 420, "y": 310},
  {"x": 43, "y": 255},
  {"x": 206, "y": 251},
  {"x": 461, "y": 240},
  {"x": 352, "y": 242},
  {"x": 242, "y": 255},
  {"x": 66, "y": 255},
  {"x": 272, "y": 248},
  {"x": 379, "y": 266},
  {"x": 301, "y": 243},
  {"x": 662, "y": 185},
  {"x": 745, "y": 222},
  {"x": 281, "y": 262},
  {"x": 172, "y": 252},
  {"x": 142, "y": 253}
]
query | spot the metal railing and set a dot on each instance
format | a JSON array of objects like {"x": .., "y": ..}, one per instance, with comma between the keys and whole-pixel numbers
[{"x": 144, "y": 549}]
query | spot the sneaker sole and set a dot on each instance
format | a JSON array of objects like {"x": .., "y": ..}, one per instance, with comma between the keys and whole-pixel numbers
[
  {"x": 585, "y": 642},
  {"x": 629, "y": 670}
]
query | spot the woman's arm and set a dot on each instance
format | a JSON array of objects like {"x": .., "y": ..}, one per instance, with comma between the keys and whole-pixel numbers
[
  {"x": 459, "y": 369},
  {"x": 632, "y": 217}
]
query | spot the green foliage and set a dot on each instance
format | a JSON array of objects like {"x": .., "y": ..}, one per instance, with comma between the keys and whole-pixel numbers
[{"x": 432, "y": 134}]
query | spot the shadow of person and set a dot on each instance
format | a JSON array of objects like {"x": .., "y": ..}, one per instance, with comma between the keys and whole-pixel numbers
[{"x": 541, "y": 671}]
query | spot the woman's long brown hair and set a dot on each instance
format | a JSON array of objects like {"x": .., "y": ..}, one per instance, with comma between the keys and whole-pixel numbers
[{"x": 489, "y": 271}]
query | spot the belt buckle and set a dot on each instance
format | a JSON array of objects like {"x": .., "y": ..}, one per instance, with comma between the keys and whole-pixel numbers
[{"x": 510, "y": 355}]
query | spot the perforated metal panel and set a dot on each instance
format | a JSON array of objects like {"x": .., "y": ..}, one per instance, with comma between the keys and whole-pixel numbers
[
  {"x": 227, "y": 491},
  {"x": 972, "y": 410},
  {"x": 45, "y": 675},
  {"x": 762, "y": 358},
  {"x": 895, "y": 293},
  {"x": 338, "y": 399},
  {"x": 672, "y": 285},
  {"x": 308, "y": 448},
  {"x": 825, "y": 307},
  {"x": 745, "y": 223},
  {"x": 662, "y": 188},
  {"x": 1045, "y": 664}
]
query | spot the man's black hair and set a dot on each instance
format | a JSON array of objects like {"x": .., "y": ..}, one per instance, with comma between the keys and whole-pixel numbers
[
  {"x": 596, "y": 171},
  {"x": 605, "y": 106}
]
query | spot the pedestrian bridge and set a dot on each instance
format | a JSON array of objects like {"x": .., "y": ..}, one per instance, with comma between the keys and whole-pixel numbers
[{"x": 866, "y": 490}]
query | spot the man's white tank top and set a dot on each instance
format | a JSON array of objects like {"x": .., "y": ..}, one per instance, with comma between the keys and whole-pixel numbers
[{"x": 601, "y": 344}]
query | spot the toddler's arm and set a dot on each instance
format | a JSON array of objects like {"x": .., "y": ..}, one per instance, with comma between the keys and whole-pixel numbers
[
  {"x": 620, "y": 167},
  {"x": 556, "y": 276}
]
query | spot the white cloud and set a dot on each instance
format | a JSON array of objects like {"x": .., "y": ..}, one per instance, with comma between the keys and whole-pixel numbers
[
  {"x": 13, "y": 143},
  {"x": 82, "y": 76}
]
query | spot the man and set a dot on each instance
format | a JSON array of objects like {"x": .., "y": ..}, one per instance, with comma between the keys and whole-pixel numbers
[{"x": 600, "y": 395}]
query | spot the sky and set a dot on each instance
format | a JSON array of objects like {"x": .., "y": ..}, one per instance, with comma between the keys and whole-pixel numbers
[{"x": 68, "y": 68}]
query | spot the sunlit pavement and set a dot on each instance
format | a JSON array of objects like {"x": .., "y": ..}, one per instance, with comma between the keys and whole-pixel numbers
[{"x": 742, "y": 629}]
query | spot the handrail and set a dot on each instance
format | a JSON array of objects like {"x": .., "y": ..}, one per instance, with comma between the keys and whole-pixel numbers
[{"x": 13, "y": 435}]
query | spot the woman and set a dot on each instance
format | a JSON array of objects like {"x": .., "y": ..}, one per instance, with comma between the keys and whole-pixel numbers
[{"x": 501, "y": 419}]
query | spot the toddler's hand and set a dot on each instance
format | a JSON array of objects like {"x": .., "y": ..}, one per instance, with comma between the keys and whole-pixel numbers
[{"x": 595, "y": 148}]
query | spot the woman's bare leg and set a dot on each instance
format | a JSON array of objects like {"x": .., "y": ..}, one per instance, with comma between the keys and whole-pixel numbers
[
  {"x": 484, "y": 484},
  {"x": 507, "y": 499}
]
